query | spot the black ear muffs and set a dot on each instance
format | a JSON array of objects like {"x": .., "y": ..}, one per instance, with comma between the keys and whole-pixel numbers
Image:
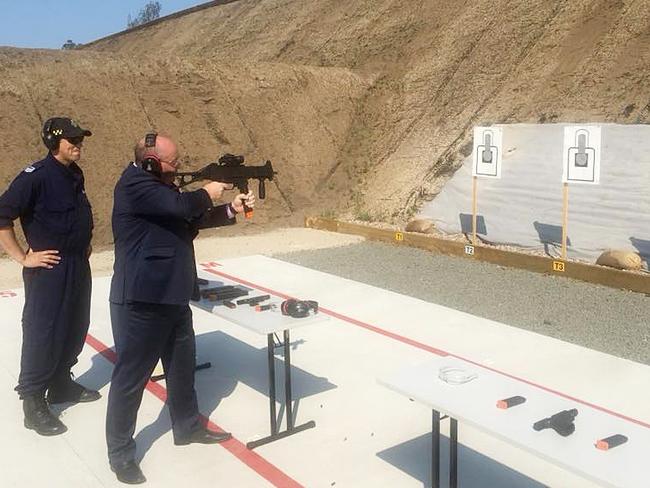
[
  {"x": 298, "y": 308},
  {"x": 50, "y": 140},
  {"x": 150, "y": 160}
]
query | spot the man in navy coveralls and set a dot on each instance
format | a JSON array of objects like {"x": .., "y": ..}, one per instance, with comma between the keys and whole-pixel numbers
[
  {"x": 50, "y": 199},
  {"x": 154, "y": 278}
]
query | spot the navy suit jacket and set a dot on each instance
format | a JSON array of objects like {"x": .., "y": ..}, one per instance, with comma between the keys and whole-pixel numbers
[{"x": 154, "y": 225}]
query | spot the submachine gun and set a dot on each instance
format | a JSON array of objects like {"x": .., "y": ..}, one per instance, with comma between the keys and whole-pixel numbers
[{"x": 231, "y": 169}]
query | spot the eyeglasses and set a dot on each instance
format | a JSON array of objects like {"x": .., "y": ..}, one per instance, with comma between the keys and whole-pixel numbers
[
  {"x": 75, "y": 141},
  {"x": 175, "y": 163}
]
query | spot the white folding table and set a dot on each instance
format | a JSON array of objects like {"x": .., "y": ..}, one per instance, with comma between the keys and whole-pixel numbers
[
  {"x": 270, "y": 323},
  {"x": 474, "y": 403}
]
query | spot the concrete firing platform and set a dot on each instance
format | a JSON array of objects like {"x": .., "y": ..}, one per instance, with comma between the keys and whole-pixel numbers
[{"x": 365, "y": 435}]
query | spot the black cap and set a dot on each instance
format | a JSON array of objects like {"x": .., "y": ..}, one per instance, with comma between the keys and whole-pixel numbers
[
  {"x": 58, "y": 128},
  {"x": 62, "y": 127}
]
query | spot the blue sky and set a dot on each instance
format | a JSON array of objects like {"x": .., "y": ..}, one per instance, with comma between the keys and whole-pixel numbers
[{"x": 50, "y": 23}]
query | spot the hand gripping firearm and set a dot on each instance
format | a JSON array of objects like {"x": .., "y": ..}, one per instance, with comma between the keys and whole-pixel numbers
[{"x": 231, "y": 169}]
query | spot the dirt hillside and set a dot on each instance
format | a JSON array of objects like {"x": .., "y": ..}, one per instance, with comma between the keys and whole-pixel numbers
[
  {"x": 365, "y": 107},
  {"x": 263, "y": 111}
]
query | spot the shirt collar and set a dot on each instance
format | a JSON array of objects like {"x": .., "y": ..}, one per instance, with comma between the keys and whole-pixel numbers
[{"x": 71, "y": 171}]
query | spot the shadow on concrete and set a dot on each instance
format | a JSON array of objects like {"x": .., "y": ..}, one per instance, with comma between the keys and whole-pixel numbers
[
  {"x": 233, "y": 361},
  {"x": 474, "y": 469},
  {"x": 95, "y": 378}
]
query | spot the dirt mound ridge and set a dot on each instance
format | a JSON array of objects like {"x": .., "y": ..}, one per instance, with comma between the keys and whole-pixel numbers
[
  {"x": 367, "y": 105},
  {"x": 438, "y": 68},
  {"x": 264, "y": 112}
]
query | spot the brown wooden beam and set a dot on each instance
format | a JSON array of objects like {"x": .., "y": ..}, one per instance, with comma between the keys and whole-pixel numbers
[{"x": 590, "y": 273}]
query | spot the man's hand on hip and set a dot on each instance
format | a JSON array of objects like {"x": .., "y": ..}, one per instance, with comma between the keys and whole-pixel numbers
[{"x": 41, "y": 259}]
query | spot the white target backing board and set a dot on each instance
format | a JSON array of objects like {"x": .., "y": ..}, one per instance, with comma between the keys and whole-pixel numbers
[
  {"x": 487, "y": 152},
  {"x": 581, "y": 154}
]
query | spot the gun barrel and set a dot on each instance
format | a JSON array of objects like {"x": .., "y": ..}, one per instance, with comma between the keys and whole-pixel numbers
[
  {"x": 542, "y": 424},
  {"x": 233, "y": 171}
]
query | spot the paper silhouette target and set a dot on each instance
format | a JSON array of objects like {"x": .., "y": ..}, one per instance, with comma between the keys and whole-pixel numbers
[
  {"x": 487, "y": 152},
  {"x": 581, "y": 155}
]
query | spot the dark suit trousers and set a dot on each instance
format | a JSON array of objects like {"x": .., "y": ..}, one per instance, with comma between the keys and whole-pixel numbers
[{"x": 143, "y": 333}]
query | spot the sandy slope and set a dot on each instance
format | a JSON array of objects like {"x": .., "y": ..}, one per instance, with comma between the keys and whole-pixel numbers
[
  {"x": 364, "y": 107},
  {"x": 437, "y": 68}
]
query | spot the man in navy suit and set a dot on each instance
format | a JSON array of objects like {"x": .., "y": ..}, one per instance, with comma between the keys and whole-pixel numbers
[{"x": 154, "y": 278}]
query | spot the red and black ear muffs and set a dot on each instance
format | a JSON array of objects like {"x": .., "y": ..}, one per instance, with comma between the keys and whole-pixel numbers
[
  {"x": 298, "y": 308},
  {"x": 50, "y": 140},
  {"x": 150, "y": 160}
]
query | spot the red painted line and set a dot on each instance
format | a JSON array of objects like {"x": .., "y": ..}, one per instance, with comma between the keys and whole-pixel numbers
[
  {"x": 237, "y": 448},
  {"x": 387, "y": 333},
  {"x": 99, "y": 346},
  {"x": 555, "y": 392},
  {"x": 425, "y": 347},
  {"x": 372, "y": 328}
]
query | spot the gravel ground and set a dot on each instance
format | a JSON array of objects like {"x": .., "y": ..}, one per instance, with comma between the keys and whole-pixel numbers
[{"x": 593, "y": 316}]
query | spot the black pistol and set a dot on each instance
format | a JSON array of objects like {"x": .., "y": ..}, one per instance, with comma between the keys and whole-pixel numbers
[{"x": 561, "y": 422}]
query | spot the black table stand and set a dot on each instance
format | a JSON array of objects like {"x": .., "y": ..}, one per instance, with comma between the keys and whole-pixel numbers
[
  {"x": 435, "y": 451},
  {"x": 291, "y": 428}
]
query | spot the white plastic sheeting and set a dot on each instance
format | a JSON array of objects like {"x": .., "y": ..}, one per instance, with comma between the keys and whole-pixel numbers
[{"x": 524, "y": 207}]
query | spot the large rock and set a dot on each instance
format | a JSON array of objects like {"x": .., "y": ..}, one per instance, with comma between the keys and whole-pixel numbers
[
  {"x": 420, "y": 225},
  {"x": 620, "y": 259}
]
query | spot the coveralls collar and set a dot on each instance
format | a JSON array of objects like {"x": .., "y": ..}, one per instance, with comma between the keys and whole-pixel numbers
[{"x": 71, "y": 171}]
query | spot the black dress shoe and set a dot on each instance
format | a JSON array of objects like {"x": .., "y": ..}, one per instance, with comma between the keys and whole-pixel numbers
[
  {"x": 39, "y": 418},
  {"x": 128, "y": 472},
  {"x": 204, "y": 436},
  {"x": 70, "y": 391}
]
